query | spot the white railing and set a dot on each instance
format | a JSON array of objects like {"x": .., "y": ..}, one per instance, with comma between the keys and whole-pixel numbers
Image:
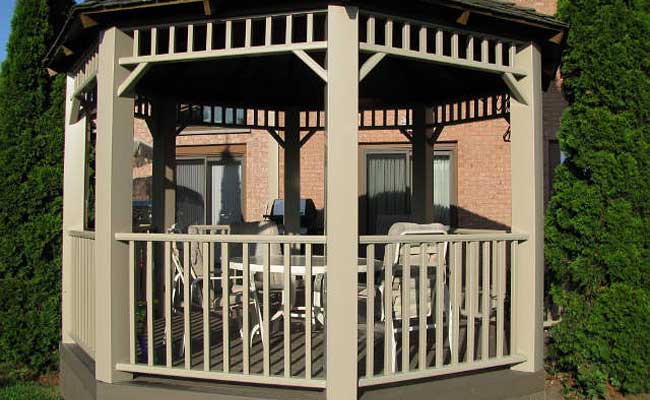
[
  {"x": 82, "y": 245},
  {"x": 257, "y": 321},
  {"x": 451, "y": 315},
  {"x": 261, "y": 318}
]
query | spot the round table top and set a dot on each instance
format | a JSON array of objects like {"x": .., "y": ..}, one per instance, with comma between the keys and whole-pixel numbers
[{"x": 298, "y": 264}]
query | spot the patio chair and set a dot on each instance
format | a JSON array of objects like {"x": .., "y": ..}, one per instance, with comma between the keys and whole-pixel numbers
[
  {"x": 276, "y": 280},
  {"x": 413, "y": 258}
]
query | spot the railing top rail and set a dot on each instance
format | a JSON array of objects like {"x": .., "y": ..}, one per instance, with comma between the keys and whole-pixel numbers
[
  {"x": 163, "y": 237},
  {"x": 482, "y": 237},
  {"x": 82, "y": 234}
]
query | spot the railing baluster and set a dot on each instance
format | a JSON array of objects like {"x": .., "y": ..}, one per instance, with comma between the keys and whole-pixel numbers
[
  {"x": 500, "y": 296},
  {"x": 514, "y": 253},
  {"x": 388, "y": 35},
  {"x": 154, "y": 41},
  {"x": 370, "y": 30},
  {"x": 266, "y": 303},
  {"x": 512, "y": 53},
  {"x": 209, "y": 33},
  {"x": 388, "y": 312},
  {"x": 172, "y": 39},
  {"x": 310, "y": 28},
  {"x": 190, "y": 38},
  {"x": 406, "y": 307},
  {"x": 205, "y": 251},
  {"x": 309, "y": 317},
  {"x": 228, "y": 35},
  {"x": 286, "y": 294},
  {"x": 406, "y": 36},
  {"x": 485, "y": 324},
  {"x": 187, "y": 333},
  {"x": 456, "y": 277},
  {"x": 423, "y": 39},
  {"x": 470, "y": 288},
  {"x": 149, "y": 285},
  {"x": 246, "y": 289},
  {"x": 498, "y": 52},
  {"x": 136, "y": 43},
  {"x": 440, "y": 42},
  {"x": 470, "y": 48},
  {"x": 454, "y": 45},
  {"x": 168, "y": 305},
  {"x": 225, "y": 308},
  {"x": 485, "y": 51},
  {"x": 248, "y": 33},
  {"x": 422, "y": 307},
  {"x": 370, "y": 310},
  {"x": 289, "y": 29},
  {"x": 132, "y": 358},
  {"x": 268, "y": 32},
  {"x": 440, "y": 300}
]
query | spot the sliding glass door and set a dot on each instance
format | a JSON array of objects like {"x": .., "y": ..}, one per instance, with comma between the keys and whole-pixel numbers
[{"x": 208, "y": 191}]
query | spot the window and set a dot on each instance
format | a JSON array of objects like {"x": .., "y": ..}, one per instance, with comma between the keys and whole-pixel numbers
[
  {"x": 388, "y": 188},
  {"x": 209, "y": 190}
]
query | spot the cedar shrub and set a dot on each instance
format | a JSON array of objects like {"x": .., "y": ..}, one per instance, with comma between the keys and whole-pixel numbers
[
  {"x": 598, "y": 220},
  {"x": 31, "y": 155}
]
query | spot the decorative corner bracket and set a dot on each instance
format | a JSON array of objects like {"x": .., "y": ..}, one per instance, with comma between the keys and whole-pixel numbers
[
  {"x": 311, "y": 63},
  {"x": 514, "y": 87}
]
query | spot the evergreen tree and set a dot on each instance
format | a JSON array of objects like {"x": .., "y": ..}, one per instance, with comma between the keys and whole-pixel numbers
[
  {"x": 31, "y": 154},
  {"x": 597, "y": 226}
]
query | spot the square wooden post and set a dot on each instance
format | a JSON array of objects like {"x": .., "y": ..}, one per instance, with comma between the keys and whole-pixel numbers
[
  {"x": 163, "y": 186},
  {"x": 527, "y": 210},
  {"x": 114, "y": 207},
  {"x": 292, "y": 172},
  {"x": 422, "y": 149},
  {"x": 342, "y": 114},
  {"x": 74, "y": 189}
]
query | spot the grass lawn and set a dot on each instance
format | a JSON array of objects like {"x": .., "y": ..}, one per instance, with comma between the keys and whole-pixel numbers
[{"x": 29, "y": 391}]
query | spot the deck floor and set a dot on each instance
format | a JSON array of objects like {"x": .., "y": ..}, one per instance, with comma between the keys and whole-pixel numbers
[{"x": 297, "y": 352}]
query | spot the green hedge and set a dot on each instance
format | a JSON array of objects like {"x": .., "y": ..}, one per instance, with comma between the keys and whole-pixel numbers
[
  {"x": 598, "y": 221},
  {"x": 31, "y": 154}
]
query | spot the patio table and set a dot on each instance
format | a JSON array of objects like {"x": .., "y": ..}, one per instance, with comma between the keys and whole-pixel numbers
[{"x": 298, "y": 264}]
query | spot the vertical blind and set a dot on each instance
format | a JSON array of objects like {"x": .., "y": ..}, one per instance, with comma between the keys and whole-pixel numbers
[{"x": 388, "y": 189}]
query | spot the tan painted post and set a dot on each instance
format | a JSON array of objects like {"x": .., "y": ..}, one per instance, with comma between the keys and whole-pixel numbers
[
  {"x": 527, "y": 211},
  {"x": 114, "y": 207},
  {"x": 422, "y": 198},
  {"x": 292, "y": 172},
  {"x": 164, "y": 165},
  {"x": 342, "y": 105},
  {"x": 74, "y": 170}
]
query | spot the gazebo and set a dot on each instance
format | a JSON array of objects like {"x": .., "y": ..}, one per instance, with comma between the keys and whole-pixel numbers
[{"x": 296, "y": 69}]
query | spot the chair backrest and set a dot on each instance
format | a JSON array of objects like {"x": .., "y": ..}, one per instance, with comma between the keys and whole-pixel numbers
[
  {"x": 255, "y": 228},
  {"x": 410, "y": 228}
]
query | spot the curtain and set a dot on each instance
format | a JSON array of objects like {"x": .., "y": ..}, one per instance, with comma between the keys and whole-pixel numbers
[
  {"x": 388, "y": 190},
  {"x": 190, "y": 193},
  {"x": 225, "y": 190},
  {"x": 441, "y": 188}
]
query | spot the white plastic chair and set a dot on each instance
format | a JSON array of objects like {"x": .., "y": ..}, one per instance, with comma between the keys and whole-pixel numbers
[{"x": 413, "y": 258}]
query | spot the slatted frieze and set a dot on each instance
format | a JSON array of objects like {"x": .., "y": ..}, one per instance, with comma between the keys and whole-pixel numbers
[
  {"x": 230, "y": 37},
  {"x": 410, "y": 38}
]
